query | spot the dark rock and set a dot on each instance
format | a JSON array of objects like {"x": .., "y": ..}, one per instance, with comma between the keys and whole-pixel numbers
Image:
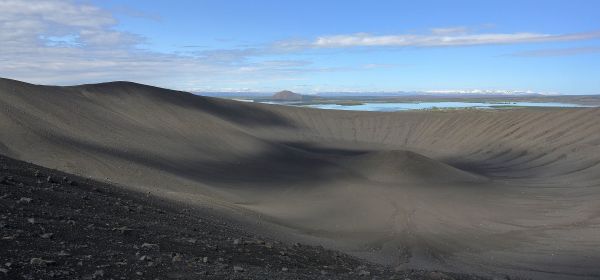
[
  {"x": 24, "y": 200},
  {"x": 145, "y": 258},
  {"x": 123, "y": 230},
  {"x": 149, "y": 246},
  {"x": 47, "y": 235},
  {"x": 435, "y": 275},
  {"x": 98, "y": 274},
  {"x": 364, "y": 273},
  {"x": 63, "y": 254},
  {"x": 41, "y": 262},
  {"x": 177, "y": 257}
]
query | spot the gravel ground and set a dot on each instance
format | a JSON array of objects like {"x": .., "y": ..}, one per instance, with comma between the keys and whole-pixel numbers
[{"x": 59, "y": 226}]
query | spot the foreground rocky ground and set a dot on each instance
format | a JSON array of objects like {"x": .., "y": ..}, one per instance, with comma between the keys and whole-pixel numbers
[{"x": 59, "y": 226}]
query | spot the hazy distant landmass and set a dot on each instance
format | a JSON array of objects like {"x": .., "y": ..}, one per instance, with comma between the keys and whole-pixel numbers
[
  {"x": 348, "y": 98},
  {"x": 471, "y": 93},
  {"x": 375, "y": 94}
]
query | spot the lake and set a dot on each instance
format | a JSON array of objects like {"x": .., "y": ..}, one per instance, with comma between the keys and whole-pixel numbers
[{"x": 388, "y": 107}]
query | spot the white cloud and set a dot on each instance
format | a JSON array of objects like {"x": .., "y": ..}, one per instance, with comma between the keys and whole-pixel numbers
[
  {"x": 558, "y": 52},
  {"x": 67, "y": 42},
  {"x": 25, "y": 21},
  {"x": 449, "y": 30},
  {"x": 442, "y": 38},
  {"x": 379, "y": 65},
  {"x": 70, "y": 42}
]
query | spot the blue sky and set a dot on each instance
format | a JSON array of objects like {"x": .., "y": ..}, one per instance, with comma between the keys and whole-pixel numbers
[{"x": 306, "y": 46}]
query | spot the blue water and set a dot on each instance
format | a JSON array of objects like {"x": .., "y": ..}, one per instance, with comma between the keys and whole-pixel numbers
[{"x": 387, "y": 107}]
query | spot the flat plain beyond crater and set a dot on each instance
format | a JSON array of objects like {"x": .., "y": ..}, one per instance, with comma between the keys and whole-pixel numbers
[{"x": 491, "y": 192}]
